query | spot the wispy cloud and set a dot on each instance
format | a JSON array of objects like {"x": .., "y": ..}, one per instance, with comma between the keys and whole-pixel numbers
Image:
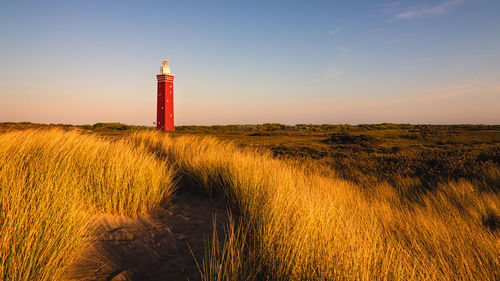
[
  {"x": 333, "y": 72},
  {"x": 343, "y": 53},
  {"x": 400, "y": 11},
  {"x": 336, "y": 30},
  {"x": 433, "y": 95}
]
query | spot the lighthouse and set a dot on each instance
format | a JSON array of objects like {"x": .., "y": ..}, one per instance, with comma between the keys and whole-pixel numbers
[{"x": 165, "y": 99}]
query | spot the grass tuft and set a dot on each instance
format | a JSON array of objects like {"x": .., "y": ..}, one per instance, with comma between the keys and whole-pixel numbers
[{"x": 53, "y": 182}]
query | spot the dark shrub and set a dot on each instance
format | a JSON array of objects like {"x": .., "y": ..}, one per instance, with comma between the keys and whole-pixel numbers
[
  {"x": 491, "y": 220},
  {"x": 346, "y": 138}
]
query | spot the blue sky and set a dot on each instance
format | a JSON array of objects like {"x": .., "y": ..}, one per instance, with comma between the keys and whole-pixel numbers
[{"x": 247, "y": 62}]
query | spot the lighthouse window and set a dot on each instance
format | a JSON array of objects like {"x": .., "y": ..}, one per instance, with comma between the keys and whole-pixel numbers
[
  {"x": 167, "y": 100},
  {"x": 170, "y": 115},
  {"x": 170, "y": 86}
]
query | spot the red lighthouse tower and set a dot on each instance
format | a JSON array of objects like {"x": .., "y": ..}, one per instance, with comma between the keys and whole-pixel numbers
[{"x": 165, "y": 104}]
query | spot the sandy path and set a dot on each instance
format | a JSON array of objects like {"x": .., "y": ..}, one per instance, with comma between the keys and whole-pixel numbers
[{"x": 153, "y": 247}]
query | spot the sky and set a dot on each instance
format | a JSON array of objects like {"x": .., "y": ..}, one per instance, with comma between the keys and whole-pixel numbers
[{"x": 252, "y": 62}]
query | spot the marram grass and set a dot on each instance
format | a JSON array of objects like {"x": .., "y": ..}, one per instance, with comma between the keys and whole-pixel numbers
[
  {"x": 53, "y": 182},
  {"x": 292, "y": 223},
  {"x": 298, "y": 225}
]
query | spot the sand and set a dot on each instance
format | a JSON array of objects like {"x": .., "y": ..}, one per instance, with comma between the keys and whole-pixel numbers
[{"x": 152, "y": 247}]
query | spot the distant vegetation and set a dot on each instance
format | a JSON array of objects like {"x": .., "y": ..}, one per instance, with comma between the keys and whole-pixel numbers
[
  {"x": 370, "y": 154},
  {"x": 322, "y": 202},
  {"x": 363, "y": 154}
]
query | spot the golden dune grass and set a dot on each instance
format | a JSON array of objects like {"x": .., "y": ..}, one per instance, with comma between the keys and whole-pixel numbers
[
  {"x": 51, "y": 185},
  {"x": 293, "y": 223},
  {"x": 297, "y": 225}
]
